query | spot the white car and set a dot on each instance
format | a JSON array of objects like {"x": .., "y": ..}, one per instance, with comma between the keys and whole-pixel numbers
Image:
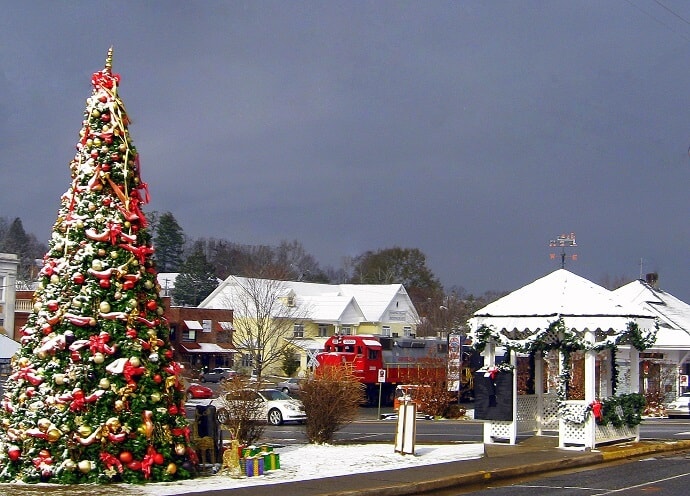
[
  {"x": 219, "y": 374},
  {"x": 680, "y": 407},
  {"x": 273, "y": 405}
]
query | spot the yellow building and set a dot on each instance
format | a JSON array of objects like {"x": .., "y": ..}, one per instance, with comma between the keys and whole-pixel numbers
[{"x": 269, "y": 313}]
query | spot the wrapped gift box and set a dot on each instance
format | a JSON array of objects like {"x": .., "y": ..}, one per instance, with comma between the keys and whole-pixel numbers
[
  {"x": 271, "y": 460},
  {"x": 253, "y": 466}
]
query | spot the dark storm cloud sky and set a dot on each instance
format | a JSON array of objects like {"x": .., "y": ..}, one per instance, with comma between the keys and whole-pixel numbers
[{"x": 475, "y": 131}]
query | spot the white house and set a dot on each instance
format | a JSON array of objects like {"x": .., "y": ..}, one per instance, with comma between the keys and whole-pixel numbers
[
  {"x": 664, "y": 367},
  {"x": 327, "y": 309}
]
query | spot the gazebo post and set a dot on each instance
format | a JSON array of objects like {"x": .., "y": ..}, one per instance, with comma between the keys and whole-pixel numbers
[
  {"x": 489, "y": 361},
  {"x": 514, "y": 425},
  {"x": 635, "y": 378},
  {"x": 561, "y": 422},
  {"x": 590, "y": 387},
  {"x": 634, "y": 370},
  {"x": 539, "y": 389}
]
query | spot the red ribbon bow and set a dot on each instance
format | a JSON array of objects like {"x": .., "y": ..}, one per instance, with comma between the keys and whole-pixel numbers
[
  {"x": 596, "y": 409},
  {"x": 147, "y": 462},
  {"x": 105, "y": 79},
  {"x": 99, "y": 344},
  {"x": 110, "y": 461},
  {"x": 130, "y": 371}
]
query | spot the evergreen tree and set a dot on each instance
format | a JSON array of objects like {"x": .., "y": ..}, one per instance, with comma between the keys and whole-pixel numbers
[
  {"x": 18, "y": 242},
  {"x": 169, "y": 243},
  {"x": 94, "y": 395},
  {"x": 196, "y": 279}
]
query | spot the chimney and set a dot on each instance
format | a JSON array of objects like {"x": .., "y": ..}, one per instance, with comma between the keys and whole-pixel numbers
[{"x": 652, "y": 279}]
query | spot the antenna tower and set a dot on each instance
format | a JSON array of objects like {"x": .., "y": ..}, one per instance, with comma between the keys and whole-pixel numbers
[{"x": 563, "y": 241}]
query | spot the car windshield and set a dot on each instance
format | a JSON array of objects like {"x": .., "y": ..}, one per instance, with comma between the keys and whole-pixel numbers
[{"x": 274, "y": 394}]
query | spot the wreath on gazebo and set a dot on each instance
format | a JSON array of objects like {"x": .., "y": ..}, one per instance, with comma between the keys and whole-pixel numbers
[{"x": 616, "y": 410}]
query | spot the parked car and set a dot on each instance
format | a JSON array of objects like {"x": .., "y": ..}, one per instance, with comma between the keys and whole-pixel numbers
[
  {"x": 273, "y": 405},
  {"x": 218, "y": 374},
  {"x": 680, "y": 407},
  {"x": 290, "y": 386},
  {"x": 198, "y": 392}
]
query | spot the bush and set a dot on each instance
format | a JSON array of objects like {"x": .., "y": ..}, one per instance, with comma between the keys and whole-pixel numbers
[
  {"x": 331, "y": 400},
  {"x": 434, "y": 398},
  {"x": 240, "y": 411}
]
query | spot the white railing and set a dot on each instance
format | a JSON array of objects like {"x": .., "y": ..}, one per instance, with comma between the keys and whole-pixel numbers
[{"x": 24, "y": 306}]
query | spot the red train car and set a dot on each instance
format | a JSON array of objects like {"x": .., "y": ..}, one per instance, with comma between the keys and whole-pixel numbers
[{"x": 400, "y": 360}]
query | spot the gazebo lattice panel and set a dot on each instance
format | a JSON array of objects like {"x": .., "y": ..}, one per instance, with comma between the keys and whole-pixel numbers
[
  {"x": 549, "y": 420},
  {"x": 527, "y": 413},
  {"x": 500, "y": 429}
]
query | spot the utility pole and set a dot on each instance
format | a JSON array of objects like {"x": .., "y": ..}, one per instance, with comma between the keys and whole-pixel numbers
[{"x": 563, "y": 241}]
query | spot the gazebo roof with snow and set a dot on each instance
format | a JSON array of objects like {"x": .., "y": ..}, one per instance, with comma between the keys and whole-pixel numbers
[{"x": 559, "y": 296}]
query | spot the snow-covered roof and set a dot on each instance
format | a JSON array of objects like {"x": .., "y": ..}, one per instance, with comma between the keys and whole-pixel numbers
[
  {"x": 343, "y": 303},
  {"x": 580, "y": 303},
  {"x": 673, "y": 314},
  {"x": 8, "y": 347}
]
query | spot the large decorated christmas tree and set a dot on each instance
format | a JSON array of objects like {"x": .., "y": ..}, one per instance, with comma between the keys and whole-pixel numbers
[{"x": 94, "y": 394}]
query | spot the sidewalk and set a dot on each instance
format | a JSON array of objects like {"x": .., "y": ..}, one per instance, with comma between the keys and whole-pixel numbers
[{"x": 533, "y": 455}]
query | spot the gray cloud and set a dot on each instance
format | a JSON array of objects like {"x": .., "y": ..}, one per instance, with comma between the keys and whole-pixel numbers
[{"x": 475, "y": 131}]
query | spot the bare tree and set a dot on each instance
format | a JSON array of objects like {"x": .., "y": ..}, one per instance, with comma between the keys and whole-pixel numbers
[
  {"x": 331, "y": 400},
  {"x": 265, "y": 316}
]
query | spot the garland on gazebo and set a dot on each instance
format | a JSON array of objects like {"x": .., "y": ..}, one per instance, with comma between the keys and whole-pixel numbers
[{"x": 616, "y": 410}]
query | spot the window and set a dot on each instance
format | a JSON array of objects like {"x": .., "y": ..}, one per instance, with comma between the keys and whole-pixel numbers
[
  {"x": 247, "y": 361},
  {"x": 323, "y": 331},
  {"x": 207, "y": 325},
  {"x": 386, "y": 331},
  {"x": 346, "y": 331},
  {"x": 188, "y": 335},
  {"x": 298, "y": 331},
  {"x": 407, "y": 331},
  {"x": 373, "y": 354}
]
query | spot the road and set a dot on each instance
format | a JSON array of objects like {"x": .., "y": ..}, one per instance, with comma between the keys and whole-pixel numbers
[
  {"x": 665, "y": 474},
  {"x": 368, "y": 428}
]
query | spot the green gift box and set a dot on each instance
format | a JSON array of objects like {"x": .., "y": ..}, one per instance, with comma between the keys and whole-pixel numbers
[{"x": 271, "y": 461}]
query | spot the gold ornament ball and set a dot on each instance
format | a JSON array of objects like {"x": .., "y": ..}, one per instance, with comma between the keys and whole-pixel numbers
[
  {"x": 84, "y": 466},
  {"x": 53, "y": 435},
  {"x": 59, "y": 379},
  {"x": 43, "y": 424},
  {"x": 104, "y": 307},
  {"x": 180, "y": 449},
  {"x": 148, "y": 284},
  {"x": 104, "y": 383},
  {"x": 155, "y": 396},
  {"x": 84, "y": 430},
  {"x": 69, "y": 464},
  {"x": 172, "y": 468},
  {"x": 135, "y": 361},
  {"x": 119, "y": 405},
  {"x": 98, "y": 358}
]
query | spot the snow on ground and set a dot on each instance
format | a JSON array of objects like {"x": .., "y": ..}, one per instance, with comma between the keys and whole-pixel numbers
[{"x": 302, "y": 462}]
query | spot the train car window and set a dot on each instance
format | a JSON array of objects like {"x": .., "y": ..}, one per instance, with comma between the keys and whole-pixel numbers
[
  {"x": 359, "y": 350},
  {"x": 373, "y": 354}
]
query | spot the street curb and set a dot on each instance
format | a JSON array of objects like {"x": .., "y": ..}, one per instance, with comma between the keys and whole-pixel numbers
[
  {"x": 592, "y": 458},
  {"x": 618, "y": 453}
]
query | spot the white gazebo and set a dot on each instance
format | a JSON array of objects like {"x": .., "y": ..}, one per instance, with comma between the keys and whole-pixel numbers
[{"x": 565, "y": 313}]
